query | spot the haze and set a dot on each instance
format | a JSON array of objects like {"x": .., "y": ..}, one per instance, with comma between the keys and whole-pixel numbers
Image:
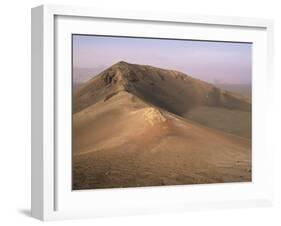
[{"x": 215, "y": 62}]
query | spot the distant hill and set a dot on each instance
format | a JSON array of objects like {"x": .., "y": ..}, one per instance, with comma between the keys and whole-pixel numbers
[
  {"x": 242, "y": 89},
  {"x": 81, "y": 75}
]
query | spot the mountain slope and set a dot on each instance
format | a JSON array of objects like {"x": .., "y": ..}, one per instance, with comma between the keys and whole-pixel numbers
[
  {"x": 138, "y": 125},
  {"x": 172, "y": 91},
  {"x": 125, "y": 142}
]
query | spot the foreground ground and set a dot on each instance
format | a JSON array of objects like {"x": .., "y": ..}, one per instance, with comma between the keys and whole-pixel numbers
[{"x": 125, "y": 142}]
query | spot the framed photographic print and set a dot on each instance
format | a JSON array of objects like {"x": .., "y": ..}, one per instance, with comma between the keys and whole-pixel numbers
[{"x": 138, "y": 112}]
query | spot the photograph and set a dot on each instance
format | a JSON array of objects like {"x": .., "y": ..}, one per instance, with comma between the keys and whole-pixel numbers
[{"x": 149, "y": 111}]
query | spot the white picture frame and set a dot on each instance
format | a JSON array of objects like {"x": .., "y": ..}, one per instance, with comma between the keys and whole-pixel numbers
[{"x": 52, "y": 198}]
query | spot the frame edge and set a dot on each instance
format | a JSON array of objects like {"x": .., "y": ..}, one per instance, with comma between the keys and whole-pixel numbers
[{"x": 37, "y": 39}]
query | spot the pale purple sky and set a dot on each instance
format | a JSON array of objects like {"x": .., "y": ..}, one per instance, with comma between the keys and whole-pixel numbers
[{"x": 223, "y": 62}]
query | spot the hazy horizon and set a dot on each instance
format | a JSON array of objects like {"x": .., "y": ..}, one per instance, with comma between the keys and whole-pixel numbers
[{"x": 215, "y": 62}]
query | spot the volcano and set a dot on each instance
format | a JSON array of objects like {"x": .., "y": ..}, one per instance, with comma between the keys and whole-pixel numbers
[{"x": 138, "y": 125}]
